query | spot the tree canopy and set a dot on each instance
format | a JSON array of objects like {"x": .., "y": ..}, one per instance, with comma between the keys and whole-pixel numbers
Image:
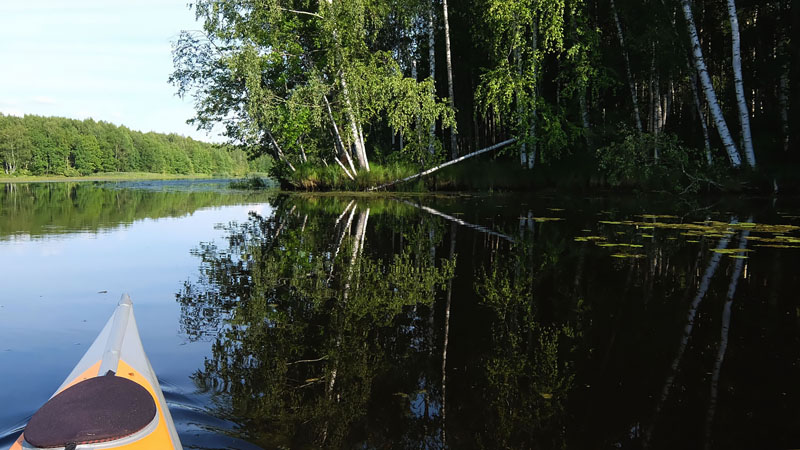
[{"x": 346, "y": 82}]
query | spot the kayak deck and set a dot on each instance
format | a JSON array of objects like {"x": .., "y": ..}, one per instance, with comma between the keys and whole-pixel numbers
[{"x": 116, "y": 352}]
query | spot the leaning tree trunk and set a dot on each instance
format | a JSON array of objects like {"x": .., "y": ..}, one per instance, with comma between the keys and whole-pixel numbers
[
  {"x": 451, "y": 96},
  {"x": 699, "y": 106},
  {"x": 355, "y": 128},
  {"x": 744, "y": 113},
  {"x": 636, "y": 115},
  {"x": 708, "y": 88},
  {"x": 339, "y": 143}
]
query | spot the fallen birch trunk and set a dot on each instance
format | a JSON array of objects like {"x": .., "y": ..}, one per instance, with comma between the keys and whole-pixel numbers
[{"x": 448, "y": 163}]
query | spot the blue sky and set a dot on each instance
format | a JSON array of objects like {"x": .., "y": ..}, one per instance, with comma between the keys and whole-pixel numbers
[{"x": 105, "y": 59}]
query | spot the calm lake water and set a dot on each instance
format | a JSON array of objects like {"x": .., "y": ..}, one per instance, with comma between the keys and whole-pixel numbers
[{"x": 458, "y": 321}]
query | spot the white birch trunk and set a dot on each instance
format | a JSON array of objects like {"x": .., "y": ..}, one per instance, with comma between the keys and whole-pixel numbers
[
  {"x": 279, "y": 151},
  {"x": 701, "y": 114},
  {"x": 451, "y": 95},
  {"x": 338, "y": 137},
  {"x": 448, "y": 163},
  {"x": 744, "y": 113},
  {"x": 358, "y": 141},
  {"x": 636, "y": 115},
  {"x": 432, "y": 67},
  {"x": 708, "y": 89}
]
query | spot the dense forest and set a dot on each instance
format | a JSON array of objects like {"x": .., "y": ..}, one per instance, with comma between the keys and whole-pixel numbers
[
  {"x": 34, "y": 145},
  {"x": 669, "y": 88}
]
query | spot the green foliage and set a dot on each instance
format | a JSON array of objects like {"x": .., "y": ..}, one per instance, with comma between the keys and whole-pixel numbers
[
  {"x": 660, "y": 162},
  {"x": 332, "y": 178},
  {"x": 304, "y": 326},
  {"x": 58, "y": 146},
  {"x": 269, "y": 72}
]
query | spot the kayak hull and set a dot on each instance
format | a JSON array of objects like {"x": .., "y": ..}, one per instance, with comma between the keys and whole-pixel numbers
[{"x": 118, "y": 351}]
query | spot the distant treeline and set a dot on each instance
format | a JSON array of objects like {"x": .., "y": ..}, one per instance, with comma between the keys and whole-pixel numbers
[{"x": 34, "y": 145}]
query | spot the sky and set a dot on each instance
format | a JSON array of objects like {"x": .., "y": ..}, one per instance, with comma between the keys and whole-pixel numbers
[{"x": 105, "y": 59}]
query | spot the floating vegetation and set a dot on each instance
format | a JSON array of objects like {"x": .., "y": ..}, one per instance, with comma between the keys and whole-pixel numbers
[
  {"x": 711, "y": 228},
  {"x": 782, "y": 236},
  {"x": 730, "y": 251},
  {"x": 777, "y": 246},
  {"x": 589, "y": 238},
  {"x": 628, "y": 255},
  {"x": 555, "y": 209},
  {"x": 547, "y": 219}
]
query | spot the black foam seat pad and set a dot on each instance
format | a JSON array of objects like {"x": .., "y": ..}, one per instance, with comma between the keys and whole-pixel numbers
[{"x": 95, "y": 410}]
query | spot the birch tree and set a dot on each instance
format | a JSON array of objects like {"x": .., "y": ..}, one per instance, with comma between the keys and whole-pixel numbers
[
  {"x": 301, "y": 84},
  {"x": 451, "y": 95},
  {"x": 736, "y": 62},
  {"x": 708, "y": 88},
  {"x": 631, "y": 87}
]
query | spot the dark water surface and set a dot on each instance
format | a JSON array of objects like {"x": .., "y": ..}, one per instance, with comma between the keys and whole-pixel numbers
[{"x": 466, "y": 321}]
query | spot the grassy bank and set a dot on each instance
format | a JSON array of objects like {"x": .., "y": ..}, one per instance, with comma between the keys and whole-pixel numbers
[
  {"x": 112, "y": 176},
  {"x": 576, "y": 173},
  {"x": 333, "y": 178}
]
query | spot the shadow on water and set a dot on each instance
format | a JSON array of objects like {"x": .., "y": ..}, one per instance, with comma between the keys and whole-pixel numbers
[{"x": 511, "y": 322}]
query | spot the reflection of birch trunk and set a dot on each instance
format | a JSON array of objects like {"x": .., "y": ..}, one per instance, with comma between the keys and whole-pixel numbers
[
  {"x": 460, "y": 222},
  {"x": 358, "y": 242},
  {"x": 723, "y": 342},
  {"x": 347, "y": 208},
  {"x": 687, "y": 332},
  {"x": 453, "y": 229},
  {"x": 345, "y": 231}
]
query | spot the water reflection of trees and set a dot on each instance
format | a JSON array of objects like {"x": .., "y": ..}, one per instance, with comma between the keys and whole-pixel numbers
[
  {"x": 40, "y": 209},
  {"x": 309, "y": 326},
  {"x": 342, "y": 323}
]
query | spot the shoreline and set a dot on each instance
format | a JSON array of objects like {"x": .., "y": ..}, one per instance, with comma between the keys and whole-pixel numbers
[{"x": 116, "y": 176}]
